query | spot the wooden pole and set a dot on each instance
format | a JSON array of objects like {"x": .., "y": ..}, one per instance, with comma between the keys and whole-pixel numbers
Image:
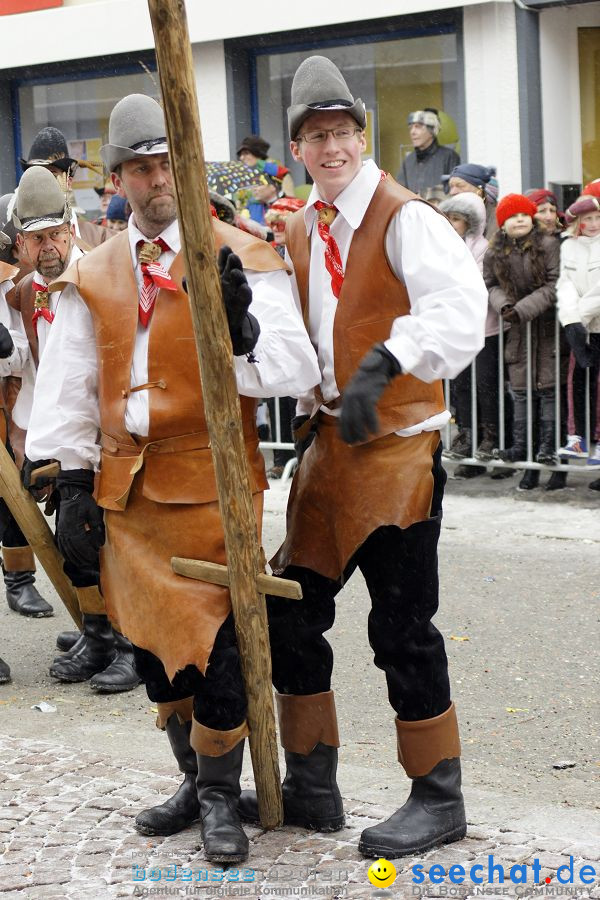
[
  {"x": 221, "y": 401},
  {"x": 37, "y": 531}
]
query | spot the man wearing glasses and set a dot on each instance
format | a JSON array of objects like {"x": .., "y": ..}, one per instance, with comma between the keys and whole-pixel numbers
[
  {"x": 393, "y": 303},
  {"x": 46, "y": 241}
]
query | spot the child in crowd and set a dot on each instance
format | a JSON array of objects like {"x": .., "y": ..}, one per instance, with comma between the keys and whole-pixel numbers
[
  {"x": 467, "y": 215},
  {"x": 520, "y": 270},
  {"x": 578, "y": 296}
]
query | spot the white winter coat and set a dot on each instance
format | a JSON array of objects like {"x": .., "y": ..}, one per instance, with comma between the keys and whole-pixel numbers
[{"x": 578, "y": 287}]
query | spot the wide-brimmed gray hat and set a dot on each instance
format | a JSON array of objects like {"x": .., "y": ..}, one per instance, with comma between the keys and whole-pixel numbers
[
  {"x": 319, "y": 85},
  {"x": 40, "y": 202},
  {"x": 136, "y": 128}
]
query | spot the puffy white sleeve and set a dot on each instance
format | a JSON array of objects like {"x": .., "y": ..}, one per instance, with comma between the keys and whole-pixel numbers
[
  {"x": 286, "y": 361},
  {"x": 567, "y": 295},
  {"x": 65, "y": 417},
  {"x": 11, "y": 319},
  {"x": 448, "y": 298}
]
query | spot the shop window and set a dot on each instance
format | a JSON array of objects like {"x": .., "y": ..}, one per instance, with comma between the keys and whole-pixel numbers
[
  {"x": 80, "y": 108},
  {"x": 589, "y": 80},
  {"x": 393, "y": 77}
]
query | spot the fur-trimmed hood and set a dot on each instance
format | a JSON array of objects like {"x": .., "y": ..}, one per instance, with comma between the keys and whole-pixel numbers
[{"x": 471, "y": 207}]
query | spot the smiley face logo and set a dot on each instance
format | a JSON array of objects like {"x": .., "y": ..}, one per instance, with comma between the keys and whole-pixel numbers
[{"x": 382, "y": 873}]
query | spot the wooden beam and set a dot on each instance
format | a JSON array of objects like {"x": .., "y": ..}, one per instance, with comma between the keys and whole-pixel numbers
[
  {"x": 219, "y": 389},
  {"x": 215, "y": 573},
  {"x": 34, "y": 526}
]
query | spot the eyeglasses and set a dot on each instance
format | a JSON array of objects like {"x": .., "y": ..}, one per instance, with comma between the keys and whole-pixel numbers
[{"x": 318, "y": 137}]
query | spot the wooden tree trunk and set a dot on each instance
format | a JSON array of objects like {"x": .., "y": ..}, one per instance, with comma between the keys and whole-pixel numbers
[
  {"x": 221, "y": 399},
  {"x": 37, "y": 531}
]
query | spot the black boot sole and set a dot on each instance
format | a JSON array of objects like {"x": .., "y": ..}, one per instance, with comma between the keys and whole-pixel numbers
[
  {"x": 226, "y": 857},
  {"x": 114, "y": 688},
  {"x": 147, "y": 831},
  {"x": 41, "y": 614},
  {"x": 380, "y": 851}
]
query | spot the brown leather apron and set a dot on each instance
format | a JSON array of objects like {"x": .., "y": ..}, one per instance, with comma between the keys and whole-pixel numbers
[{"x": 341, "y": 494}]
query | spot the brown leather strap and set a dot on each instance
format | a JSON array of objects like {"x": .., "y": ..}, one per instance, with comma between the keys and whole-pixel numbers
[
  {"x": 184, "y": 709},
  {"x": 307, "y": 720},
  {"x": 91, "y": 601},
  {"x": 18, "y": 559},
  {"x": 210, "y": 742},
  {"x": 425, "y": 743}
]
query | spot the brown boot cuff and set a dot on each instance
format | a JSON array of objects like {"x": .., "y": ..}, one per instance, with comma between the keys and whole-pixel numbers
[
  {"x": 423, "y": 744},
  {"x": 18, "y": 559},
  {"x": 210, "y": 742},
  {"x": 184, "y": 709},
  {"x": 307, "y": 720},
  {"x": 91, "y": 601}
]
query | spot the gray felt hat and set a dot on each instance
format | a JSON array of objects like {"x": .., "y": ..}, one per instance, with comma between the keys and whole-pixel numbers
[
  {"x": 319, "y": 85},
  {"x": 136, "y": 128},
  {"x": 40, "y": 202}
]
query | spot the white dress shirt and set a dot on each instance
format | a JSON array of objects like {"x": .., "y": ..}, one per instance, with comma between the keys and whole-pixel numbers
[
  {"x": 21, "y": 362},
  {"x": 65, "y": 418},
  {"x": 448, "y": 298}
]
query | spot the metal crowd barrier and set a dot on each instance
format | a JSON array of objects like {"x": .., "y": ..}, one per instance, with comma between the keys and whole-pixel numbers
[{"x": 529, "y": 463}]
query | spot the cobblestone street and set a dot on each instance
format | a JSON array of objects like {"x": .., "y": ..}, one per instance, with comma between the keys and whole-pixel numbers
[{"x": 66, "y": 825}]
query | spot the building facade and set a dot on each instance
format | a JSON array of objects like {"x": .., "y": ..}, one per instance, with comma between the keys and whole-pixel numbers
[{"x": 517, "y": 81}]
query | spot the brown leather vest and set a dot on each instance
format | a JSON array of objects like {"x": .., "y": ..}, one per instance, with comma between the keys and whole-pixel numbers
[
  {"x": 370, "y": 299},
  {"x": 176, "y": 454},
  {"x": 22, "y": 298}
]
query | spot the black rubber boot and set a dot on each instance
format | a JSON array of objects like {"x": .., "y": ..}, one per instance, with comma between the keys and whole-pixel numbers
[
  {"x": 93, "y": 654},
  {"x": 547, "y": 449},
  {"x": 218, "y": 783},
  {"x": 120, "y": 675},
  {"x": 4, "y": 672},
  {"x": 489, "y": 440},
  {"x": 557, "y": 481},
  {"x": 434, "y": 814},
  {"x": 182, "y": 809},
  {"x": 530, "y": 480},
  {"x": 66, "y": 640},
  {"x": 311, "y": 797},
  {"x": 518, "y": 451},
  {"x": 23, "y": 597},
  {"x": 461, "y": 446}
]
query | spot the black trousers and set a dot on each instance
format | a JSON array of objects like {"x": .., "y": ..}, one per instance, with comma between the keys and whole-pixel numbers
[
  {"x": 219, "y": 696},
  {"x": 287, "y": 409},
  {"x": 400, "y": 568},
  {"x": 488, "y": 391}
]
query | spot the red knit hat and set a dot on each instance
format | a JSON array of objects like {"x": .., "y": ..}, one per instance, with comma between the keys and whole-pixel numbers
[
  {"x": 592, "y": 189},
  {"x": 513, "y": 204}
]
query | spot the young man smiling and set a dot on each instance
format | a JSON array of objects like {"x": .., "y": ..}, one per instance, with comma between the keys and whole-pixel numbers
[{"x": 393, "y": 302}]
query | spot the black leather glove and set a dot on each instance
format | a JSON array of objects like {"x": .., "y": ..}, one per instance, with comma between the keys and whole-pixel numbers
[
  {"x": 80, "y": 530},
  {"x": 303, "y": 436},
  {"x": 576, "y": 335},
  {"x": 361, "y": 394},
  {"x": 38, "y": 488},
  {"x": 6, "y": 342},
  {"x": 237, "y": 297}
]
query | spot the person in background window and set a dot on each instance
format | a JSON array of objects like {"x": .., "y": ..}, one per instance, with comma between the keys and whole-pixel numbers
[
  {"x": 254, "y": 152},
  {"x": 478, "y": 180},
  {"x": 424, "y": 167},
  {"x": 520, "y": 270}
]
